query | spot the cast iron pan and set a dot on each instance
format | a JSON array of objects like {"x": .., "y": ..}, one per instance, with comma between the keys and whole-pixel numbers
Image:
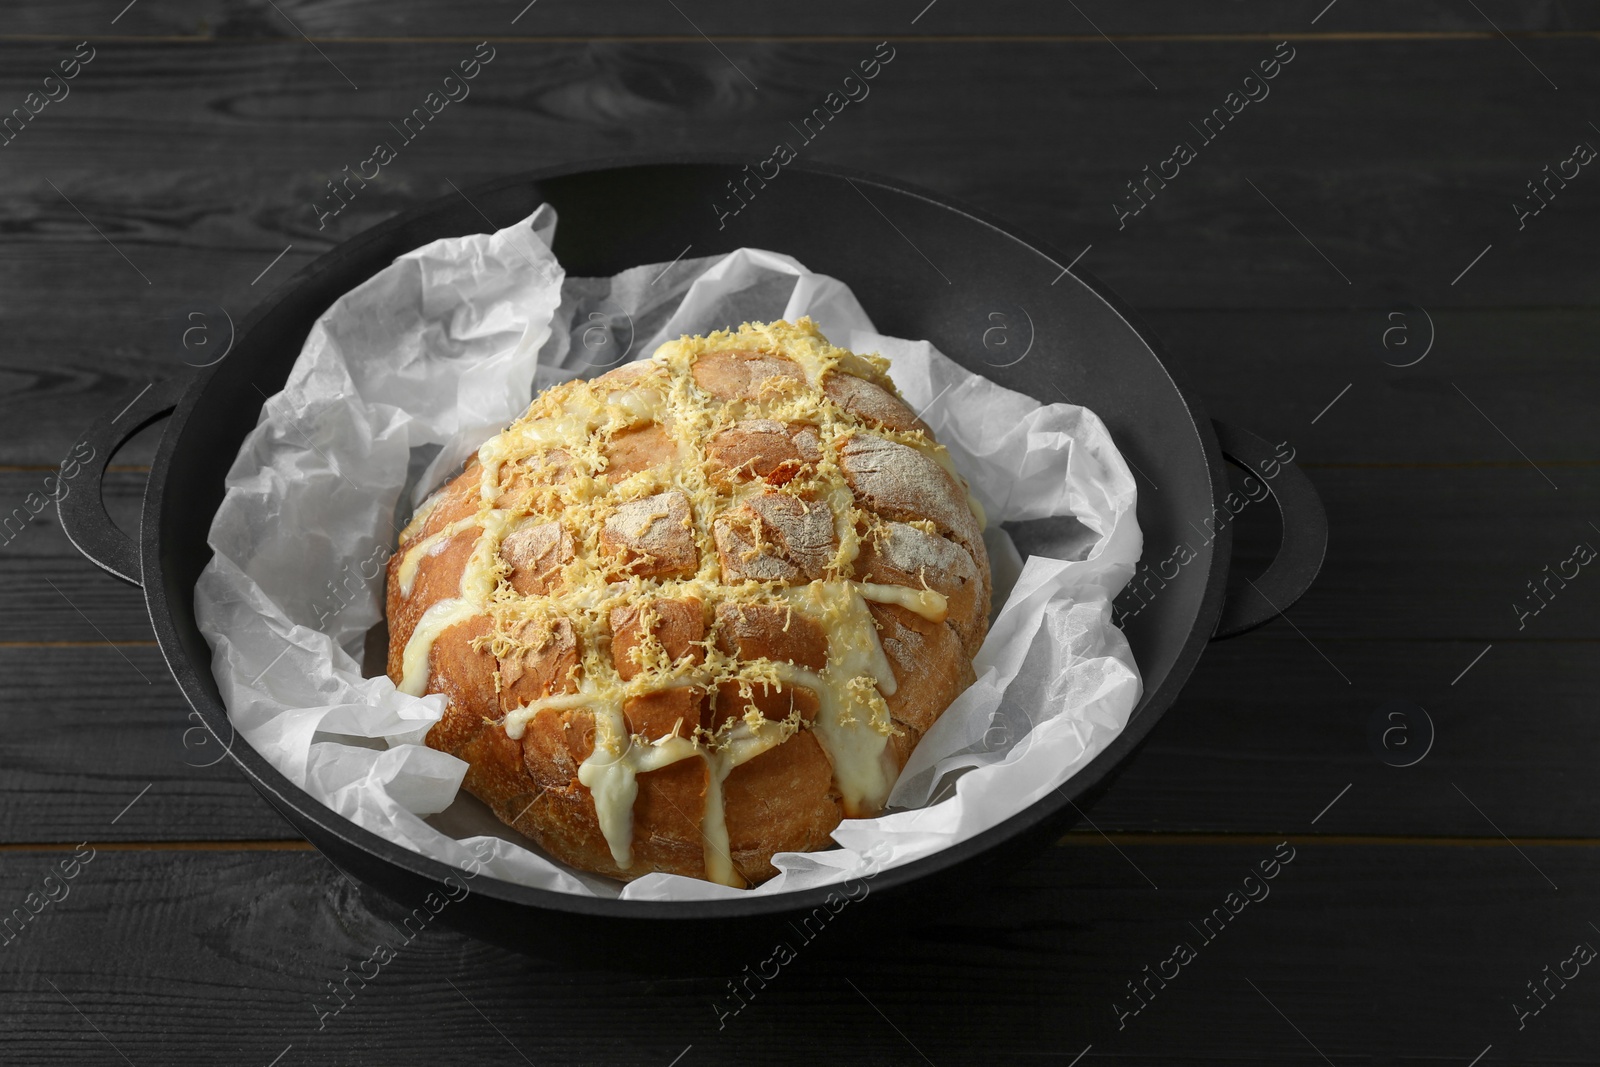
[{"x": 922, "y": 267}]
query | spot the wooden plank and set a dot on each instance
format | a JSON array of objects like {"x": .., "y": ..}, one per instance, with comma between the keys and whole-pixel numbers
[
  {"x": 1391, "y": 612},
  {"x": 1398, "y": 159},
  {"x": 1266, "y": 733},
  {"x": 1405, "y": 184},
  {"x": 68, "y": 373},
  {"x": 1517, "y": 372},
  {"x": 1402, "y": 540},
  {"x": 1489, "y": 375},
  {"x": 1362, "y": 953},
  {"x": 88, "y": 729},
  {"x": 52, "y": 592},
  {"x": 322, "y": 19},
  {"x": 1423, "y": 553}
]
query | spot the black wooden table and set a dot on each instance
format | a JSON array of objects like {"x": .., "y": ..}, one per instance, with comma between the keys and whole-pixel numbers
[{"x": 1356, "y": 263}]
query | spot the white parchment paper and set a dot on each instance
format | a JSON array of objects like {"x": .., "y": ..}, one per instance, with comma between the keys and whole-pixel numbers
[{"x": 403, "y": 377}]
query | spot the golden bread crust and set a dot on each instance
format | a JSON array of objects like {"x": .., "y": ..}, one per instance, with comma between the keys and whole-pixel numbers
[{"x": 693, "y": 612}]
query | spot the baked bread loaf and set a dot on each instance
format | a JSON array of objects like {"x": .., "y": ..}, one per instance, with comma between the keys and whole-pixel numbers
[{"x": 693, "y": 612}]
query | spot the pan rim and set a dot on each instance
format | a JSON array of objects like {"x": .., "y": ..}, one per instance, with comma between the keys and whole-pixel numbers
[{"x": 282, "y": 793}]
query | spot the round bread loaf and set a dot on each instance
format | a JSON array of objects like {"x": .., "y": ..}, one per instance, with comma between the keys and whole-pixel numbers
[{"x": 693, "y": 612}]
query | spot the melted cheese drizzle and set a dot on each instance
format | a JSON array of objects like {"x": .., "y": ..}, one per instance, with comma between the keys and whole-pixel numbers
[
  {"x": 744, "y": 743},
  {"x": 426, "y": 547},
  {"x": 612, "y": 778},
  {"x": 435, "y": 621},
  {"x": 420, "y": 519},
  {"x": 928, "y": 603},
  {"x": 478, "y": 579},
  {"x": 853, "y": 723},
  {"x": 611, "y": 770}
]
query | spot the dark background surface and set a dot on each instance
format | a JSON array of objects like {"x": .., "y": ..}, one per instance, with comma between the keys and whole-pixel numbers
[{"x": 1420, "y": 901}]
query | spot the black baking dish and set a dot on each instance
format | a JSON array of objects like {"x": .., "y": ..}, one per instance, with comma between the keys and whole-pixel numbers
[{"x": 922, "y": 267}]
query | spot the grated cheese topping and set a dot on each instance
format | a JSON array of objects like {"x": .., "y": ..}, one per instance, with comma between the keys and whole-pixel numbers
[{"x": 643, "y": 535}]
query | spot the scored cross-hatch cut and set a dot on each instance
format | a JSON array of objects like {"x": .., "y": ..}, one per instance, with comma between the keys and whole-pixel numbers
[{"x": 663, "y": 576}]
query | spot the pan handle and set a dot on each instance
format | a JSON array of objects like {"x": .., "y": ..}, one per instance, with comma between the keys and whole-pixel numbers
[
  {"x": 83, "y": 513},
  {"x": 1305, "y": 534}
]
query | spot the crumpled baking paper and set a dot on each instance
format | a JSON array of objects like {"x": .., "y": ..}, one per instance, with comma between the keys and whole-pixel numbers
[{"x": 403, "y": 377}]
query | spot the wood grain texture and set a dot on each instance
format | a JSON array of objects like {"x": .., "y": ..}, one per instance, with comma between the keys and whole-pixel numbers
[
  {"x": 230, "y": 19},
  {"x": 1387, "y": 157},
  {"x": 1401, "y": 539},
  {"x": 1342, "y": 956},
  {"x": 1267, "y": 732},
  {"x": 1376, "y": 152},
  {"x": 53, "y": 594},
  {"x": 1272, "y": 371},
  {"x": 1490, "y": 375},
  {"x": 75, "y": 755}
]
